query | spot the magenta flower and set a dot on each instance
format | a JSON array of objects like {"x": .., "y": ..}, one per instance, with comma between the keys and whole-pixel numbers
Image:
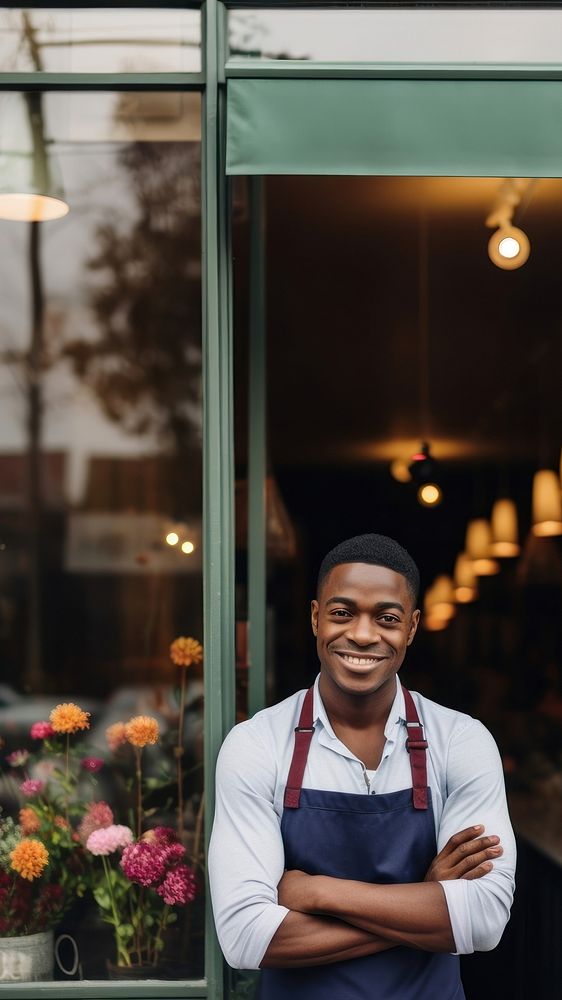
[
  {"x": 18, "y": 758},
  {"x": 108, "y": 839},
  {"x": 31, "y": 787},
  {"x": 179, "y": 886},
  {"x": 41, "y": 731},
  {"x": 98, "y": 815},
  {"x": 144, "y": 863},
  {"x": 92, "y": 764}
]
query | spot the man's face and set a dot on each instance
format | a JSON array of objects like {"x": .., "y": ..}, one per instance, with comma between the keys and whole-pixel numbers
[{"x": 364, "y": 620}]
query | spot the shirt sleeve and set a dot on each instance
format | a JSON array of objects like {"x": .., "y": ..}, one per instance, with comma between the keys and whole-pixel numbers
[
  {"x": 246, "y": 856},
  {"x": 478, "y": 909}
]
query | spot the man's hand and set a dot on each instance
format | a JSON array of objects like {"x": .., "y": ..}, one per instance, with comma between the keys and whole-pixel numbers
[
  {"x": 295, "y": 891},
  {"x": 465, "y": 855}
]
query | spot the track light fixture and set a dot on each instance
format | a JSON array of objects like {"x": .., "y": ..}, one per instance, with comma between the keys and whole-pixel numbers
[{"x": 508, "y": 247}]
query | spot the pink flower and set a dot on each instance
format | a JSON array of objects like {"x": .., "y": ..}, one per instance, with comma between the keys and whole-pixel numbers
[
  {"x": 179, "y": 886},
  {"x": 92, "y": 764},
  {"x": 31, "y": 787},
  {"x": 108, "y": 839},
  {"x": 41, "y": 731},
  {"x": 144, "y": 863},
  {"x": 97, "y": 816},
  {"x": 18, "y": 758}
]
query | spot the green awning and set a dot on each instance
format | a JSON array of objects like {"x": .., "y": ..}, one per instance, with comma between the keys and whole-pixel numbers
[{"x": 481, "y": 128}]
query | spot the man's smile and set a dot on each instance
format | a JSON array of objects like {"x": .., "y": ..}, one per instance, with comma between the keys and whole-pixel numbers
[{"x": 359, "y": 659}]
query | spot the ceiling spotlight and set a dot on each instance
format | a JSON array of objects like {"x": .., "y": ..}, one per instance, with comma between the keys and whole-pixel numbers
[
  {"x": 430, "y": 494},
  {"x": 172, "y": 538},
  {"x": 187, "y": 548},
  {"x": 509, "y": 248}
]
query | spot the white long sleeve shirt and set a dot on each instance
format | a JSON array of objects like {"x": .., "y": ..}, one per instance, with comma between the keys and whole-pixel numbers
[{"x": 246, "y": 857}]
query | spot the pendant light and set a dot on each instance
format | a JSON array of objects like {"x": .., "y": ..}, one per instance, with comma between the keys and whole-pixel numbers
[
  {"x": 505, "y": 535},
  {"x": 442, "y": 600},
  {"x": 466, "y": 589},
  {"x": 431, "y": 621},
  {"x": 30, "y": 182},
  {"x": 547, "y": 504},
  {"x": 479, "y": 547}
]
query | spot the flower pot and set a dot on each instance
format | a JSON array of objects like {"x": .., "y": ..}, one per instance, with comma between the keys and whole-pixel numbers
[
  {"x": 133, "y": 971},
  {"x": 26, "y": 959}
]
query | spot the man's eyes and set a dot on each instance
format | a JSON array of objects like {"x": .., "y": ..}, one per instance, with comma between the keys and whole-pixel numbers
[{"x": 385, "y": 619}]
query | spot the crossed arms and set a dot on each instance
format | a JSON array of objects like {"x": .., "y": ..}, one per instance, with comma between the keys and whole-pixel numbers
[{"x": 332, "y": 919}]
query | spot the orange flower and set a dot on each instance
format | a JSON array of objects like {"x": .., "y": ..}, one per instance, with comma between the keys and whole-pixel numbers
[
  {"x": 62, "y": 823},
  {"x": 184, "y": 652},
  {"x": 69, "y": 718},
  {"x": 115, "y": 735},
  {"x": 29, "y": 858},
  {"x": 29, "y": 820},
  {"x": 142, "y": 729}
]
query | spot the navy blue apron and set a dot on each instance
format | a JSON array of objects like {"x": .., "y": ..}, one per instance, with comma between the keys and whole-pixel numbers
[{"x": 370, "y": 838}]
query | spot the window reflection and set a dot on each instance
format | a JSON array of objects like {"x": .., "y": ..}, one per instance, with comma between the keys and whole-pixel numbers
[
  {"x": 100, "y": 40},
  {"x": 100, "y": 465}
]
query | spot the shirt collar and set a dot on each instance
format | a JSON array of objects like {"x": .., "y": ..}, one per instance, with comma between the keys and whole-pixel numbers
[{"x": 396, "y": 715}]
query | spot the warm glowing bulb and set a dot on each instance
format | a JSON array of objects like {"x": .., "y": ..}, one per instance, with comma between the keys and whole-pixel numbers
[
  {"x": 508, "y": 247},
  {"x": 187, "y": 548},
  {"x": 172, "y": 538},
  {"x": 464, "y": 595},
  {"x": 429, "y": 495}
]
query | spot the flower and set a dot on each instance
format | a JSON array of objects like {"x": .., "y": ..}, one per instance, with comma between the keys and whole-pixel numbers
[
  {"x": 29, "y": 858},
  {"x": 115, "y": 735},
  {"x": 29, "y": 820},
  {"x": 69, "y": 718},
  {"x": 97, "y": 816},
  {"x": 142, "y": 729},
  {"x": 92, "y": 764},
  {"x": 108, "y": 839},
  {"x": 144, "y": 863},
  {"x": 179, "y": 886},
  {"x": 31, "y": 786},
  {"x": 184, "y": 652},
  {"x": 62, "y": 823},
  {"x": 41, "y": 731},
  {"x": 18, "y": 758}
]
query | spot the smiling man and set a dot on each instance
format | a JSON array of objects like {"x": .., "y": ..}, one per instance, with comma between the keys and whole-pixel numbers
[{"x": 361, "y": 838}]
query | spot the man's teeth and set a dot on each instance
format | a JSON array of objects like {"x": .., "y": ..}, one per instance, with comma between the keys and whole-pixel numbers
[{"x": 359, "y": 661}]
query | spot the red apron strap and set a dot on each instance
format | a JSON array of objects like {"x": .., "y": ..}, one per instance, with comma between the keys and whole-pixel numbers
[
  {"x": 416, "y": 746},
  {"x": 303, "y": 736}
]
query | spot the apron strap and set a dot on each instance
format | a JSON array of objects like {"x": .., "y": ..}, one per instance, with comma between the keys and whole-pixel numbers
[
  {"x": 416, "y": 746},
  {"x": 303, "y": 736}
]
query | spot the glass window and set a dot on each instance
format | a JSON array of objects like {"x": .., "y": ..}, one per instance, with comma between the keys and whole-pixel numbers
[
  {"x": 100, "y": 40},
  {"x": 101, "y": 774},
  {"x": 397, "y": 35}
]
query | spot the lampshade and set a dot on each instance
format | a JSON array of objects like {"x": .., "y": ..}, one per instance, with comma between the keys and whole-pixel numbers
[
  {"x": 479, "y": 547},
  {"x": 442, "y": 598},
  {"x": 505, "y": 536},
  {"x": 547, "y": 504},
  {"x": 30, "y": 182},
  {"x": 466, "y": 589}
]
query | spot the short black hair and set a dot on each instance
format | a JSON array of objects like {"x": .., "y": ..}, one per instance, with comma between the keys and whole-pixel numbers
[{"x": 378, "y": 550}]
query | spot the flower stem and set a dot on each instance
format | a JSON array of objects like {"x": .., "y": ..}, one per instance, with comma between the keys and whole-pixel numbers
[
  {"x": 122, "y": 953},
  {"x": 158, "y": 939},
  {"x": 138, "y": 773},
  {"x": 66, "y": 775},
  {"x": 179, "y": 752}
]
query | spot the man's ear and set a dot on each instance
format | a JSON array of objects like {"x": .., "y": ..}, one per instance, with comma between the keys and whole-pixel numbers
[
  {"x": 314, "y": 616},
  {"x": 414, "y": 626}
]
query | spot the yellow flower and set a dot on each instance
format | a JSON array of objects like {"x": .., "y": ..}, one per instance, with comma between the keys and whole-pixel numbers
[
  {"x": 29, "y": 858},
  {"x": 69, "y": 718},
  {"x": 141, "y": 729},
  {"x": 184, "y": 652},
  {"x": 29, "y": 820}
]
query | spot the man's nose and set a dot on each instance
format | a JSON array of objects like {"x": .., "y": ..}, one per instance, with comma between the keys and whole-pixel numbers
[{"x": 363, "y": 631}]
